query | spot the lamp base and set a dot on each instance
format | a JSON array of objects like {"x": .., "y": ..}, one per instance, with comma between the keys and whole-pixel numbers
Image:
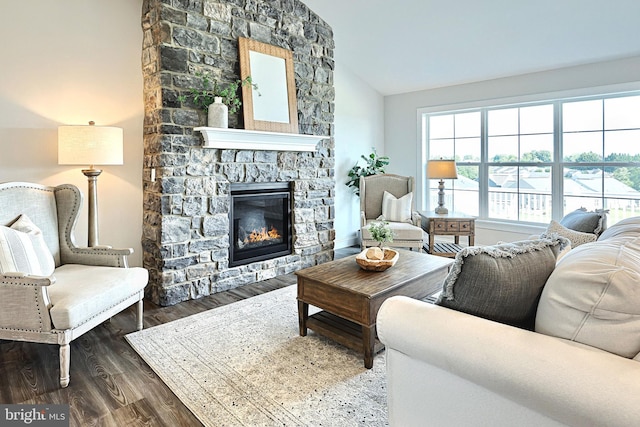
[
  {"x": 92, "y": 176},
  {"x": 441, "y": 210}
]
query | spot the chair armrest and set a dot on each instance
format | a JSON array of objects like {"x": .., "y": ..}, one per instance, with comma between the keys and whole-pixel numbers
[
  {"x": 567, "y": 381},
  {"x": 25, "y": 302},
  {"x": 25, "y": 279},
  {"x": 105, "y": 256},
  {"x": 363, "y": 219},
  {"x": 416, "y": 219}
]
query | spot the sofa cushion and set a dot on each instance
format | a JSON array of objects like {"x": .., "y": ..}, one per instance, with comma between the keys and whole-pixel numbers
[
  {"x": 83, "y": 291},
  {"x": 576, "y": 238},
  {"x": 501, "y": 282},
  {"x": 627, "y": 229},
  {"x": 397, "y": 210},
  {"x": 23, "y": 249},
  {"x": 593, "y": 296},
  {"x": 586, "y": 222}
]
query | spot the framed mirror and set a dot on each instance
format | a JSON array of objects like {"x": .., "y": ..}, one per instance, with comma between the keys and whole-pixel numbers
[{"x": 272, "y": 107}]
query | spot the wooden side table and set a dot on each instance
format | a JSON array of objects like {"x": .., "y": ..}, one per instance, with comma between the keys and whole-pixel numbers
[{"x": 452, "y": 224}]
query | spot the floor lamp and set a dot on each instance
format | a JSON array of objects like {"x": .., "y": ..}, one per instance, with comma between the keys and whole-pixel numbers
[
  {"x": 90, "y": 145},
  {"x": 441, "y": 169}
]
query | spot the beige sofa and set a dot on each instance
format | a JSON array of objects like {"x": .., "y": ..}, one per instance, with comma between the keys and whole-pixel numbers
[{"x": 580, "y": 367}]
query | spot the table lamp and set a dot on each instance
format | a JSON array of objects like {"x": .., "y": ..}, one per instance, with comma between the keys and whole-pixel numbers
[
  {"x": 441, "y": 169},
  {"x": 90, "y": 145}
]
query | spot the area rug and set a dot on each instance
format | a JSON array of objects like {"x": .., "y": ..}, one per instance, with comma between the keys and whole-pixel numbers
[{"x": 244, "y": 364}]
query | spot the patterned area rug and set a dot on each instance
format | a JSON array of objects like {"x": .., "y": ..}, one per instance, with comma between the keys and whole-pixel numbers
[{"x": 244, "y": 364}]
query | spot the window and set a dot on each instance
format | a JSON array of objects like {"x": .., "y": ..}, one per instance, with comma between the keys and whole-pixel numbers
[
  {"x": 533, "y": 162},
  {"x": 457, "y": 136}
]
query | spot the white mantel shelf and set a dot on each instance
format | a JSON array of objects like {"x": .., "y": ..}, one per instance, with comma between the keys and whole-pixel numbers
[{"x": 242, "y": 139}]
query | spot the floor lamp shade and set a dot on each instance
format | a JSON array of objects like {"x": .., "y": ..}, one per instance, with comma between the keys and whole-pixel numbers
[
  {"x": 441, "y": 169},
  {"x": 90, "y": 145}
]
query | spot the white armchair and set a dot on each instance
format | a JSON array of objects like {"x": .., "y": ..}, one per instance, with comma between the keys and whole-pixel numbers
[
  {"x": 406, "y": 229},
  {"x": 87, "y": 287}
]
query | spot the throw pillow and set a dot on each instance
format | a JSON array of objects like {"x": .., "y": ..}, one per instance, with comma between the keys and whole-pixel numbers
[
  {"x": 23, "y": 249},
  {"x": 593, "y": 297},
  {"x": 576, "y": 238},
  {"x": 501, "y": 282},
  {"x": 396, "y": 210},
  {"x": 586, "y": 222}
]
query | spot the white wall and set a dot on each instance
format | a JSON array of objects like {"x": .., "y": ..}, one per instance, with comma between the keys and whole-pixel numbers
[
  {"x": 359, "y": 126},
  {"x": 69, "y": 62},
  {"x": 401, "y": 124}
]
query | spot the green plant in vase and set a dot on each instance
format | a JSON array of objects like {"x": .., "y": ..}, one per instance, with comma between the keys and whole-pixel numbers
[{"x": 204, "y": 96}]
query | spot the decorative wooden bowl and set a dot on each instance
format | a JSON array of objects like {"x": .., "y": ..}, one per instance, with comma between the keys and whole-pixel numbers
[{"x": 389, "y": 259}]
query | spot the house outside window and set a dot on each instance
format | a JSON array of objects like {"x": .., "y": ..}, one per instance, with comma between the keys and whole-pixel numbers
[{"x": 537, "y": 161}]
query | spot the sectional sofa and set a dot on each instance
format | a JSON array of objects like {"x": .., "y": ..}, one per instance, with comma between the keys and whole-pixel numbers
[{"x": 578, "y": 365}]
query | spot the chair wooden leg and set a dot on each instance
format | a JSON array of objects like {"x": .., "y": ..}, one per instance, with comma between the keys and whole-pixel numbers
[
  {"x": 140, "y": 315},
  {"x": 65, "y": 362}
]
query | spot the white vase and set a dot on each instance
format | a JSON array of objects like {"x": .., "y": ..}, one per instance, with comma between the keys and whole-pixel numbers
[{"x": 218, "y": 116}]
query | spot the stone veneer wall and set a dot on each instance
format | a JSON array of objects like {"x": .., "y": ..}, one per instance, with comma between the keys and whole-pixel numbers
[{"x": 186, "y": 223}]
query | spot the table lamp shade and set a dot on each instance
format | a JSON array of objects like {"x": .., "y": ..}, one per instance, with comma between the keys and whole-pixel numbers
[
  {"x": 90, "y": 145},
  {"x": 442, "y": 169}
]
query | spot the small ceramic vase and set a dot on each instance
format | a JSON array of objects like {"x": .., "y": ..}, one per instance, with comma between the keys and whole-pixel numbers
[{"x": 218, "y": 116}]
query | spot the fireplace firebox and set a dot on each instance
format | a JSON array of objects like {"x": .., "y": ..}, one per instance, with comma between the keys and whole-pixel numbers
[{"x": 260, "y": 219}]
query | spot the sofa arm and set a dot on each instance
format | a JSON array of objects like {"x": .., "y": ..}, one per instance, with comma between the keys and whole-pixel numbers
[
  {"x": 104, "y": 256},
  {"x": 25, "y": 302},
  {"x": 562, "y": 380}
]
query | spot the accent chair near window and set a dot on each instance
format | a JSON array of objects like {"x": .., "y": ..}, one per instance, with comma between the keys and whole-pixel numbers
[{"x": 390, "y": 198}]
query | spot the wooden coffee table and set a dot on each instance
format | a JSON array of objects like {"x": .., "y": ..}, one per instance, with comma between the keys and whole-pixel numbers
[{"x": 351, "y": 296}]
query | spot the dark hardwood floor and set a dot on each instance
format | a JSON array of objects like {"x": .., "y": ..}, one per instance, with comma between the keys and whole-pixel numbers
[{"x": 110, "y": 384}]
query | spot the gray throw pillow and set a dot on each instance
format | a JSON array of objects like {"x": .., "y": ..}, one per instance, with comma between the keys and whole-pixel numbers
[
  {"x": 586, "y": 222},
  {"x": 502, "y": 282}
]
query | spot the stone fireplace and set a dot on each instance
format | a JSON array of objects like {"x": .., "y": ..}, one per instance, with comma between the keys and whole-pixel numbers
[{"x": 189, "y": 230}]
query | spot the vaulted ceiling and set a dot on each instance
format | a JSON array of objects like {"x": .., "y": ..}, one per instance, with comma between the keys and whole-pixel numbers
[{"x": 399, "y": 46}]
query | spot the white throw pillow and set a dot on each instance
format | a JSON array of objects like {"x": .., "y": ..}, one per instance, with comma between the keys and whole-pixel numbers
[
  {"x": 592, "y": 297},
  {"x": 23, "y": 249},
  {"x": 576, "y": 238},
  {"x": 396, "y": 210}
]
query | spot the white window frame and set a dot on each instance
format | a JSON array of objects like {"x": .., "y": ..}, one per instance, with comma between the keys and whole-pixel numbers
[{"x": 555, "y": 98}]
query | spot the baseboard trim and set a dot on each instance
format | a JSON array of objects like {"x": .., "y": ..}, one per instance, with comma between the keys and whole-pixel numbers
[{"x": 345, "y": 243}]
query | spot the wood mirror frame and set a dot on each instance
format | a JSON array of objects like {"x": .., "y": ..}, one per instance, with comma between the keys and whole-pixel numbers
[{"x": 273, "y": 107}]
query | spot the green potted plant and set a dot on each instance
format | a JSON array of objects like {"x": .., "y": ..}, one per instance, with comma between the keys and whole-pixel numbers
[
  {"x": 374, "y": 165},
  {"x": 217, "y": 99},
  {"x": 381, "y": 232}
]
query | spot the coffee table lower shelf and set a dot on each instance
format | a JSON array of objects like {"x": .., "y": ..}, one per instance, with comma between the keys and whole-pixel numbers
[{"x": 340, "y": 330}]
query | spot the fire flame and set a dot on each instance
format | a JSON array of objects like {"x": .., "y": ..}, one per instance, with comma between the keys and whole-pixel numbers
[{"x": 262, "y": 235}]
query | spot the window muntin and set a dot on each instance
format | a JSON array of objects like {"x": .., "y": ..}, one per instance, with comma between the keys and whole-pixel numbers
[
  {"x": 593, "y": 143},
  {"x": 457, "y": 136}
]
